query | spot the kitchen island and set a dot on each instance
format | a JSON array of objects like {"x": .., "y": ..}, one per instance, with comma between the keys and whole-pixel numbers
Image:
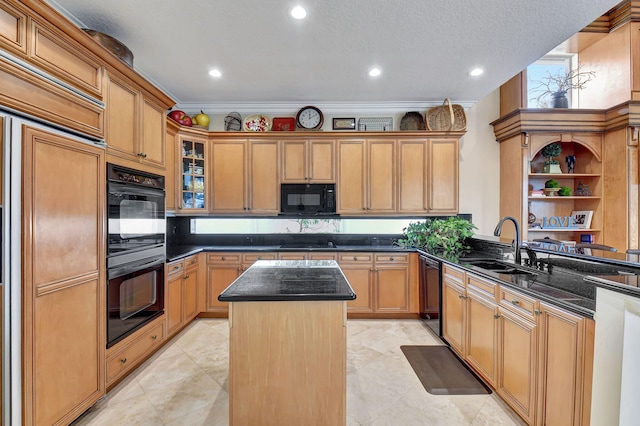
[{"x": 287, "y": 343}]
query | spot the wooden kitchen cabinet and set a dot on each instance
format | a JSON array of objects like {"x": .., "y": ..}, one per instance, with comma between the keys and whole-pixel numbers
[
  {"x": 135, "y": 126},
  {"x": 63, "y": 276},
  {"x": 181, "y": 289},
  {"x": 245, "y": 176},
  {"x": 392, "y": 282},
  {"x": 222, "y": 270},
  {"x": 454, "y": 308},
  {"x": 443, "y": 175},
  {"x": 171, "y": 182},
  {"x": 358, "y": 269},
  {"x": 194, "y": 176},
  {"x": 308, "y": 161},
  {"x": 366, "y": 176}
]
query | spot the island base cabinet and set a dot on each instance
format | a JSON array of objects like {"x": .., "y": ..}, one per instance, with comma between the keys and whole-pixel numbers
[{"x": 287, "y": 363}]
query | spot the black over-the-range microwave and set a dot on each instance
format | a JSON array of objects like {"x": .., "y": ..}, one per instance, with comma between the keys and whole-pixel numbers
[{"x": 307, "y": 198}]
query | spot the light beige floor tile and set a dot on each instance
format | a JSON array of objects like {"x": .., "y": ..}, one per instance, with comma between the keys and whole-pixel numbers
[
  {"x": 136, "y": 411},
  {"x": 209, "y": 415},
  {"x": 167, "y": 371}
]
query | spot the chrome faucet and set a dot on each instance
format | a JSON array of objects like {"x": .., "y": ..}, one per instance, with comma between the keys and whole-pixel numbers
[{"x": 498, "y": 230}]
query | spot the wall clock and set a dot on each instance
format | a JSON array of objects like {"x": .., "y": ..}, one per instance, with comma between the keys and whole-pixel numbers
[{"x": 309, "y": 118}]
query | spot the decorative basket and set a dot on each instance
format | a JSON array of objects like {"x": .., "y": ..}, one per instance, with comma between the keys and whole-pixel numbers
[
  {"x": 412, "y": 121},
  {"x": 446, "y": 117},
  {"x": 112, "y": 45}
]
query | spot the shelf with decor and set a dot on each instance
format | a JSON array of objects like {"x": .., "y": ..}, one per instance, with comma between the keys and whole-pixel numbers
[{"x": 564, "y": 198}]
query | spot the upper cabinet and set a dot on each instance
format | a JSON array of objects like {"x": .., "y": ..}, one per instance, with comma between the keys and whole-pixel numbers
[
  {"x": 193, "y": 172},
  {"x": 135, "y": 125},
  {"x": 308, "y": 160}
]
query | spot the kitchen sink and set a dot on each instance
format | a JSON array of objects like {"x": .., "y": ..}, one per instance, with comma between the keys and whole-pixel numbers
[{"x": 499, "y": 267}]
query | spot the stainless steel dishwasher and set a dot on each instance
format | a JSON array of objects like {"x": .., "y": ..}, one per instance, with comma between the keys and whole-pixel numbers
[{"x": 430, "y": 298}]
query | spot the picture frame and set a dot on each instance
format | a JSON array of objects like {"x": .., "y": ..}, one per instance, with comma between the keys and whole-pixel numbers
[
  {"x": 583, "y": 218},
  {"x": 342, "y": 123}
]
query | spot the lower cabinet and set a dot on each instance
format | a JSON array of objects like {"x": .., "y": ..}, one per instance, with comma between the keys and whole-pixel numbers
[
  {"x": 129, "y": 353},
  {"x": 537, "y": 357},
  {"x": 181, "y": 293},
  {"x": 383, "y": 282}
]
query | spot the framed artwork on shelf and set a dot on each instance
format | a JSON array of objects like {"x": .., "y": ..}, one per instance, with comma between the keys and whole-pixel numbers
[
  {"x": 583, "y": 218},
  {"x": 344, "y": 124}
]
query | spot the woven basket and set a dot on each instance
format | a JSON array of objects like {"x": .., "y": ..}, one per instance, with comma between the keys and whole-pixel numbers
[
  {"x": 446, "y": 117},
  {"x": 412, "y": 121}
]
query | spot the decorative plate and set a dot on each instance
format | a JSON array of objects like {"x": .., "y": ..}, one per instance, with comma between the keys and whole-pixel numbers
[{"x": 257, "y": 123}]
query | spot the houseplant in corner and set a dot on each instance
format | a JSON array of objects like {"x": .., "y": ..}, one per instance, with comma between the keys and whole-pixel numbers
[
  {"x": 556, "y": 86},
  {"x": 445, "y": 237}
]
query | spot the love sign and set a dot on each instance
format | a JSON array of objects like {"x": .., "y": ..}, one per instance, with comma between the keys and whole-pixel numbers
[{"x": 559, "y": 222}]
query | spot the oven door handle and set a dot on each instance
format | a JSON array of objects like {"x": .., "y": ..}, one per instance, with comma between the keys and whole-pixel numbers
[
  {"x": 121, "y": 188},
  {"x": 132, "y": 267}
]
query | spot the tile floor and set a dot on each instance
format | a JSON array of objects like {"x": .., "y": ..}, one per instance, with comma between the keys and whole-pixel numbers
[{"x": 185, "y": 383}]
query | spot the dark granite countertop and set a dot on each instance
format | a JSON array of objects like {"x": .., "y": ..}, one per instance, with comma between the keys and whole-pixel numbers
[
  {"x": 625, "y": 284},
  {"x": 289, "y": 280},
  {"x": 182, "y": 251}
]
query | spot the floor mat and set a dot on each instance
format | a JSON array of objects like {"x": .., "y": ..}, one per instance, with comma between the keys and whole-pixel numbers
[{"x": 441, "y": 372}]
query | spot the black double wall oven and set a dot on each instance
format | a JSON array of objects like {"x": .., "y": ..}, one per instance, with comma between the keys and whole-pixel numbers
[{"x": 135, "y": 250}]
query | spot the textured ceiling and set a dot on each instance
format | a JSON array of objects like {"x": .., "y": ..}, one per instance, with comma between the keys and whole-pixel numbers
[{"x": 425, "y": 48}]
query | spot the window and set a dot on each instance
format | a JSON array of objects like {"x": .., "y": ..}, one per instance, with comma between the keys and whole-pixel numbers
[{"x": 548, "y": 65}]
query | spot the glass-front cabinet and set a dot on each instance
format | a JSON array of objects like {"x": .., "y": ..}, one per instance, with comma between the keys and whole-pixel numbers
[{"x": 193, "y": 174}]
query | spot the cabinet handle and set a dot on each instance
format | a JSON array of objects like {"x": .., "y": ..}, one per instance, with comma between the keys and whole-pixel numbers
[
  {"x": 376, "y": 269},
  {"x": 176, "y": 267},
  {"x": 355, "y": 258},
  {"x": 371, "y": 269},
  {"x": 186, "y": 276},
  {"x": 154, "y": 337},
  {"x": 223, "y": 258},
  {"x": 461, "y": 296},
  {"x": 496, "y": 316},
  {"x": 123, "y": 360},
  {"x": 537, "y": 311},
  {"x": 515, "y": 302},
  {"x": 391, "y": 258}
]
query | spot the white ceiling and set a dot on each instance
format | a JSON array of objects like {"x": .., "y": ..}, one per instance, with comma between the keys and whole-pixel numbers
[{"x": 425, "y": 48}]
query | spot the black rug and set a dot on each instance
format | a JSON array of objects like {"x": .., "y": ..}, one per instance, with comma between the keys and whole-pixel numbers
[{"x": 441, "y": 372}]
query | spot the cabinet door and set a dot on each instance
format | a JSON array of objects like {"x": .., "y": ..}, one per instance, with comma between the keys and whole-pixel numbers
[
  {"x": 13, "y": 29},
  {"x": 361, "y": 281},
  {"x": 321, "y": 162},
  {"x": 443, "y": 175},
  {"x": 561, "y": 368},
  {"x": 412, "y": 176},
  {"x": 190, "y": 295},
  {"x": 381, "y": 174},
  {"x": 63, "y": 287},
  {"x": 173, "y": 303},
  {"x": 392, "y": 288},
  {"x": 482, "y": 334},
  {"x": 517, "y": 363},
  {"x": 351, "y": 177},
  {"x": 171, "y": 157},
  {"x": 263, "y": 184},
  {"x": 219, "y": 277},
  {"x": 153, "y": 131},
  {"x": 194, "y": 173},
  {"x": 294, "y": 161},
  {"x": 453, "y": 315},
  {"x": 122, "y": 109},
  {"x": 228, "y": 171}
]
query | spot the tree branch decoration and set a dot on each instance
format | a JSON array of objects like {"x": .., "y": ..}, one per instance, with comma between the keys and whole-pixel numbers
[
  {"x": 550, "y": 151},
  {"x": 559, "y": 84}
]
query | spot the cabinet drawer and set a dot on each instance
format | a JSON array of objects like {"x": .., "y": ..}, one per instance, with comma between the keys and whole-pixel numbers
[
  {"x": 453, "y": 274},
  {"x": 218, "y": 258},
  {"x": 482, "y": 286},
  {"x": 252, "y": 257},
  {"x": 126, "y": 358},
  {"x": 355, "y": 258},
  {"x": 175, "y": 267},
  {"x": 292, "y": 256},
  {"x": 322, "y": 256},
  {"x": 190, "y": 262},
  {"x": 392, "y": 258},
  {"x": 518, "y": 303}
]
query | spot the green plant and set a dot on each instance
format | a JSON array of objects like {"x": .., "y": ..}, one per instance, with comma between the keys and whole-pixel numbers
[
  {"x": 551, "y": 183},
  {"x": 550, "y": 151},
  {"x": 565, "y": 191},
  {"x": 443, "y": 236}
]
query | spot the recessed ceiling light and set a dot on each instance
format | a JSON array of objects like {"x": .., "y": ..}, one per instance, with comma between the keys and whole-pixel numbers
[
  {"x": 298, "y": 12},
  {"x": 476, "y": 72},
  {"x": 374, "y": 72},
  {"x": 215, "y": 73}
]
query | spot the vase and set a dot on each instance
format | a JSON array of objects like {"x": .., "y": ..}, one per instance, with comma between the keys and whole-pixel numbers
[
  {"x": 559, "y": 100},
  {"x": 552, "y": 168}
]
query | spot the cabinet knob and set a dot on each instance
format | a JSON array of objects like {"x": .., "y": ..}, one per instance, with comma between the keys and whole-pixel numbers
[
  {"x": 123, "y": 360},
  {"x": 223, "y": 258},
  {"x": 537, "y": 311},
  {"x": 154, "y": 337},
  {"x": 355, "y": 258},
  {"x": 391, "y": 258},
  {"x": 515, "y": 302},
  {"x": 460, "y": 296},
  {"x": 186, "y": 276},
  {"x": 176, "y": 267},
  {"x": 496, "y": 316}
]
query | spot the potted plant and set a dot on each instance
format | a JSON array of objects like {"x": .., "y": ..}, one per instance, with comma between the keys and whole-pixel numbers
[
  {"x": 556, "y": 86},
  {"x": 551, "y": 187},
  {"x": 446, "y": 237},
  {"x": 550, "y": 151}
]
